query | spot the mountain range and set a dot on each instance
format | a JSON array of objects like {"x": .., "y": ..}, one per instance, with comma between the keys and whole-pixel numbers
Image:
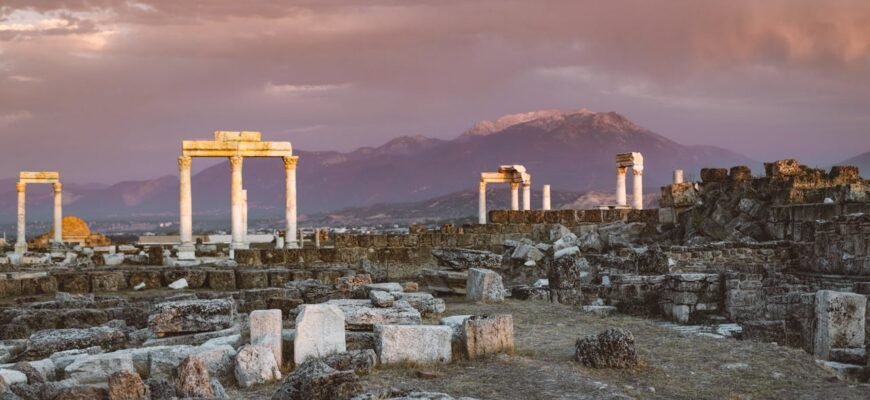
[{"x": 572, "y": 151}]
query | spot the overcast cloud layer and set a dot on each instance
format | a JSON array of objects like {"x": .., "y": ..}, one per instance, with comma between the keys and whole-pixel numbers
[{"x": 105, "y": 90}]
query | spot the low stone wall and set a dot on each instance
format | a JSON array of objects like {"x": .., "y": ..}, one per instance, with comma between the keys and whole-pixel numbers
[
  {"x": 571, "y": 218},
  {"x": 798, "y": 222},
  {"x": 752, "y": 258}
]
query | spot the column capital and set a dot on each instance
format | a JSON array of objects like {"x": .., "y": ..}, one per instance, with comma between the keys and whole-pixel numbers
[
  {"x": 636, "y": 171},
  {"x": 58, "y": 187},
  {"x": 184, "y": 161},
  {"x": 515, "y": 185},
  {"x": 21, "y": 187},
  {"x": 482, "y": 185},
  {"x": 621, "y": 170},
  {"x": 290, "y": 162},
  {"x": 236, "y": 161}
]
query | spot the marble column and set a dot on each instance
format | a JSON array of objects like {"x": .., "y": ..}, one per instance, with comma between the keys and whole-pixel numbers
[
  {"x": 317, "y": 238},
  {"x": 185, "y": 224},
  {"x": 238, "y": 241},
  {"x": 527, "y": 196},
  {"x": 21, "y": 242},
  {"x": 301, "y": 238},
  {"x": 678, "y": 176},
  {"x": 546, "y": 196},
  {"x": 245, "y": 215},
  {"x": 515, "y": 196},
  {"x": 290, "y": 201},
  {"x": 620, "y": 186},
  {"x": 58, "y": 213},
  {"x": 637, "y": 187},
  {"x": 481, "y": 203}
]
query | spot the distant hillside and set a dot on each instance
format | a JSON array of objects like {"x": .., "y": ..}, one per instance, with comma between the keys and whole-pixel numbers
[{"x": 571, "y": 151}]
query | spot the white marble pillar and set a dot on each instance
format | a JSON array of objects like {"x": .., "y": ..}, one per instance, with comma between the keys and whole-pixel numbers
[
  {"x": 620, "y": 187},
  {"x": 546, "y": 195},
  {"x": 301, "y": 238},
  {"x": 245, "y": 215},
  {"x": 21, "y": 242},
  {"x": 678, "y": 176},
  {"x": 290, "y": 200},
  {"x": 515, "y": 196},
  {"x": 481, "y": 203},
  {"x": 185, "y": 224},
  {"x": 58, "y": 213},
  {"x": 238, "y": 241},
  {"x": 527, "y": 196},
  {"x": 317, "y": 238},
  {"x": 637, "y": 187}
]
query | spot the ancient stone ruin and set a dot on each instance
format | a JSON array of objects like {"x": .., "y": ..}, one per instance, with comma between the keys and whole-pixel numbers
[{"x": 733, "y": 258}]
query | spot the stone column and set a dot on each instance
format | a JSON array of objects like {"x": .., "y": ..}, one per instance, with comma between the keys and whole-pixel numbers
[
  {"x": 678, "y": 176},
  {"x": 620, "y": 186},
  {"x": 637, "y": 187},
  {"x": 515, "y": 196},
  {"x": 185, "y": 224},
  {"x": 21, "y": 242},
  {"x": 301, "y": 238},
  {"x": 290, "y": 201},
  {"x": 546, "y": 195},
  {"x": 245, "y": 215},
  {"x": 58, "y": 214},
  {"x": 527, "y": 196},
  {"x": 317, "y": 238},
  {"x": 481, "y": 203},
  {"x": 238, "y": 241}
]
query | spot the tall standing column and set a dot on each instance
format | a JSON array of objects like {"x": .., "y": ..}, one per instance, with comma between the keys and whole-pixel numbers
[
  {"x": 637, "y": 187},
  {"x": 58, "y": 213},
  {"x": 620, "y": 187},
  {"x": 245, "y": 215},
  {"x": 185, "y": 224},
  {"x": 515, "y": 196},
  {"x": 21, "y": 242},
  {"x": 236, "y": 201},
  {"x": 481, "y": 203},
  {"x": 678, "y": 176},
  {"x": 546, "y": 195},
  {"x": 290, "y": 201},
  {"x": 527, "y": 196}
]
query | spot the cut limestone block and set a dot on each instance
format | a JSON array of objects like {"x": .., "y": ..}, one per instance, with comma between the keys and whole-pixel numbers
[
  {"x": 190, "y": 316},
  {"x": 266, "y": 331},
  {"x": 420, "y": 344},
  {"x": 484, "y": 285},
  {"x": 488, "y": 334},
  {"x": 319, "y": 332},
  {"x": 840, "y": 319}
]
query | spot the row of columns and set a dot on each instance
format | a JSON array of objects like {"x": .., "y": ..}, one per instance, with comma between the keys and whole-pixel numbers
[
  {"x": 21, "y": 241},
  {"x": 238, "y": 202},
  {"x": 515, "y": 199},
  {"x": 637, "y": 187}
]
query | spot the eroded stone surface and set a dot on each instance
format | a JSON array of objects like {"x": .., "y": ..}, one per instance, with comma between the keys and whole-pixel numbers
[
  {"x": 613, "y": 348},
  {"x": 421, "y": 344},
  {"x": 484, "y": 285},
  {"x": 256, "y": 365},
  {"x": 191, "y": 316}
]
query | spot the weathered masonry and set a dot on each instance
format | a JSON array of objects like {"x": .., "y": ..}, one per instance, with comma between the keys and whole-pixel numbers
[{"x": 513, "y": 174}]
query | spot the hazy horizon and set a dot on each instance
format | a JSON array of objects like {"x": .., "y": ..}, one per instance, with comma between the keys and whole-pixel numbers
[{"x": 105, "y": 91}]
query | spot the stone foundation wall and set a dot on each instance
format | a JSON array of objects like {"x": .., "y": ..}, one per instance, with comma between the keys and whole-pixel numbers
[
  {"x": 571, "y": 218},
  {"x": 752, "y": 258}
]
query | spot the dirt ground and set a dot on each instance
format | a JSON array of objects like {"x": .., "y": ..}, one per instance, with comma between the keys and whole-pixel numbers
[{"x": 675, "y": 365}]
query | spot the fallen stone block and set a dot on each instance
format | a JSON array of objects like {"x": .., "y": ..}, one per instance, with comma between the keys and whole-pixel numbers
[
  {"x": 46, "y": 342},
  {"x": 193, "y": 379},
  {"x": 381, "y": 299},
  {"x": 844, "y": 372},
  {"x": 613, "y": 348},
  {"x": 98, "y": 368},
  {"x": 484, "y": 285},
  {"x": 162, "y": 361},
  {"x": 256, "y": 365},
  {"x": 462, "y": 259},
  {"x": 452, "y": 282},
  {"x": 425, "y": 303},
  {"x": 384, "y": 287},
  {"x": 601, "y": 311},
  {"x": 840, "y": 319},
  {"x": 488, "y": 334},
  {"x": 361, "y": 315},
  {"x": 266, "y": 331},
  {"x": 126, "y": 385},
  {"x": 192, "y": 316},
  {"x": 360, "y": 361},
  {"x": 319, "y": 331},
  {"x": 421, "y": 344},
  {"x": 315, "y": 380},
  {"x": 179, "y": 284}
]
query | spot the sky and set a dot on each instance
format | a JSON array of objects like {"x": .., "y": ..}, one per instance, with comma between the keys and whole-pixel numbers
[{"x": 106, "y": 90}]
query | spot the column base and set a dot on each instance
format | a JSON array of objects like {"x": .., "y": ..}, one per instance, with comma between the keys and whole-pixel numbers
[
  {"x": 186, "y": 251},
  {"x": 240, "y": 246},
  {"x": 20, "y": 248},
  {"x": 291, "y": 245}
]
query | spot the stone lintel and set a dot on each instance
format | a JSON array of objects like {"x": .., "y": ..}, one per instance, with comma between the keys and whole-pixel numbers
[
  {"x": 629, "y": 159},
  {"x": 232, "y": 136},
  {"x": 38, "y": 177},
  {"x": 207, "y": 148}
]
